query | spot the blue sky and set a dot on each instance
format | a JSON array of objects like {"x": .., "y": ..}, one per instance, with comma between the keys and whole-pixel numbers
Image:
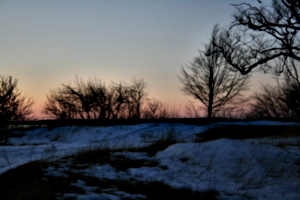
[{"x": 47, "y": 43}]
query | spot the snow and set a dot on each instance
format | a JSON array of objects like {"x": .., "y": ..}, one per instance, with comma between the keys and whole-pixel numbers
[
  {"x": 220, "y": 164},
  {"x": 257, "y": 123},
  {"x": 236, "y": 169}
]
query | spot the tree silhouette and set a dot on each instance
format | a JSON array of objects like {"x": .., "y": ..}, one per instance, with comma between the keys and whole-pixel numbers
[
  {"x": 279, "y": 101},
  {"x": 155, "y": 110},
  {"x": 101, "y": 98},
  {"x": 137, "y": 96},
  {"x": 267, "y": 104},
  {"x": 259, "y": 34},
  {"x": 94, "y": 100},
  {"x": 120, "y": 100},
  {"x": 59, "y": 105},
  {"x": 13, "y": 106},
  {"x": 210, "y": 80},
  {"x": 291, "y": 96},
  {"x": 79, "y": 100}
]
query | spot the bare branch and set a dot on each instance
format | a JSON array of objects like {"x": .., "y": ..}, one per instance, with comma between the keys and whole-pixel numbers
[
  {"x": 13, "y": 106},
  {"x": 258, "y": 35}
]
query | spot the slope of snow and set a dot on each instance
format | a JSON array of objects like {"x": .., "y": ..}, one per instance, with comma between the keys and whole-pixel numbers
[
  {"x": 236, "y": 169},
  {"x": 42, "y": 143}
]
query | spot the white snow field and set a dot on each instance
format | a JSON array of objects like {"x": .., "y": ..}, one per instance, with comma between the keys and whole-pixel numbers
[{"x": 257, "y": 168}]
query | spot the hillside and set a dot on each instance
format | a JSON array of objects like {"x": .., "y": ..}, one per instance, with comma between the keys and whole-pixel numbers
[{"x": 221, "y": 160}]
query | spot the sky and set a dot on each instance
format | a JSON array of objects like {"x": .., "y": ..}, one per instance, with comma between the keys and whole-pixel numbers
[{"x": 47, "y": 43}]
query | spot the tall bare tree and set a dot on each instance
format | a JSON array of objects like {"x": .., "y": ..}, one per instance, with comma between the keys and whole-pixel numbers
[
  {"x": 13, "y": 106},
  {"x": 260, "y": 34},
  {"x": 210, "y": 80}
]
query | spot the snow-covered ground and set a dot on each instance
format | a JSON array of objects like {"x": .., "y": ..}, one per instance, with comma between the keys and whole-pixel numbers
[{"x": 236, "y": 169}]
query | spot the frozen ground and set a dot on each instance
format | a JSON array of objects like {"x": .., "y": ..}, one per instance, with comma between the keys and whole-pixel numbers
[{"x": 233, "y": 169}]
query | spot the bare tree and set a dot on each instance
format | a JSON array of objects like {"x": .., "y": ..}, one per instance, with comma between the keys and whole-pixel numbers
[
  {"x": 102, "y": 99},
  {"x": 279, "y": 101},
  {"x": 291, "y": 96},
  {"x": 137, "y": 96},
  {"x": 283, "y": 99},
  {"x": 152, "y": 109},
  {"x": 155, "y": 109},
  {"x": 13, "y": 106},
  {"x": 267, "y": 104},
  {"x": 79, "y": 100},
  {"x": 94, "y": 100},
  {"x": 266, "y": 37},
  {"x": 59, "y": 106},
  {"x": 210, "y": 80},
  {"x": 78, "y": 93},
  {"x": 260, "y": 34},
  {"x": 120, "y": 100}
]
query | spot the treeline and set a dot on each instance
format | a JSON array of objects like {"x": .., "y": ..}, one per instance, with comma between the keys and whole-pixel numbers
[
  {"x": 95, "y": 100},
  {"x": 91, "y": 99}
]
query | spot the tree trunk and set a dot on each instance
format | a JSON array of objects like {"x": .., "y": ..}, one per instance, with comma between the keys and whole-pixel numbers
[
  {"x": 211, "y": 93},
  {"x": 209, "y": 110}
]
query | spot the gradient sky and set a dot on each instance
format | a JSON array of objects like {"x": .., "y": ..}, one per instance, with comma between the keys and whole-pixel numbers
[{"x": 47, "y": 43}]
